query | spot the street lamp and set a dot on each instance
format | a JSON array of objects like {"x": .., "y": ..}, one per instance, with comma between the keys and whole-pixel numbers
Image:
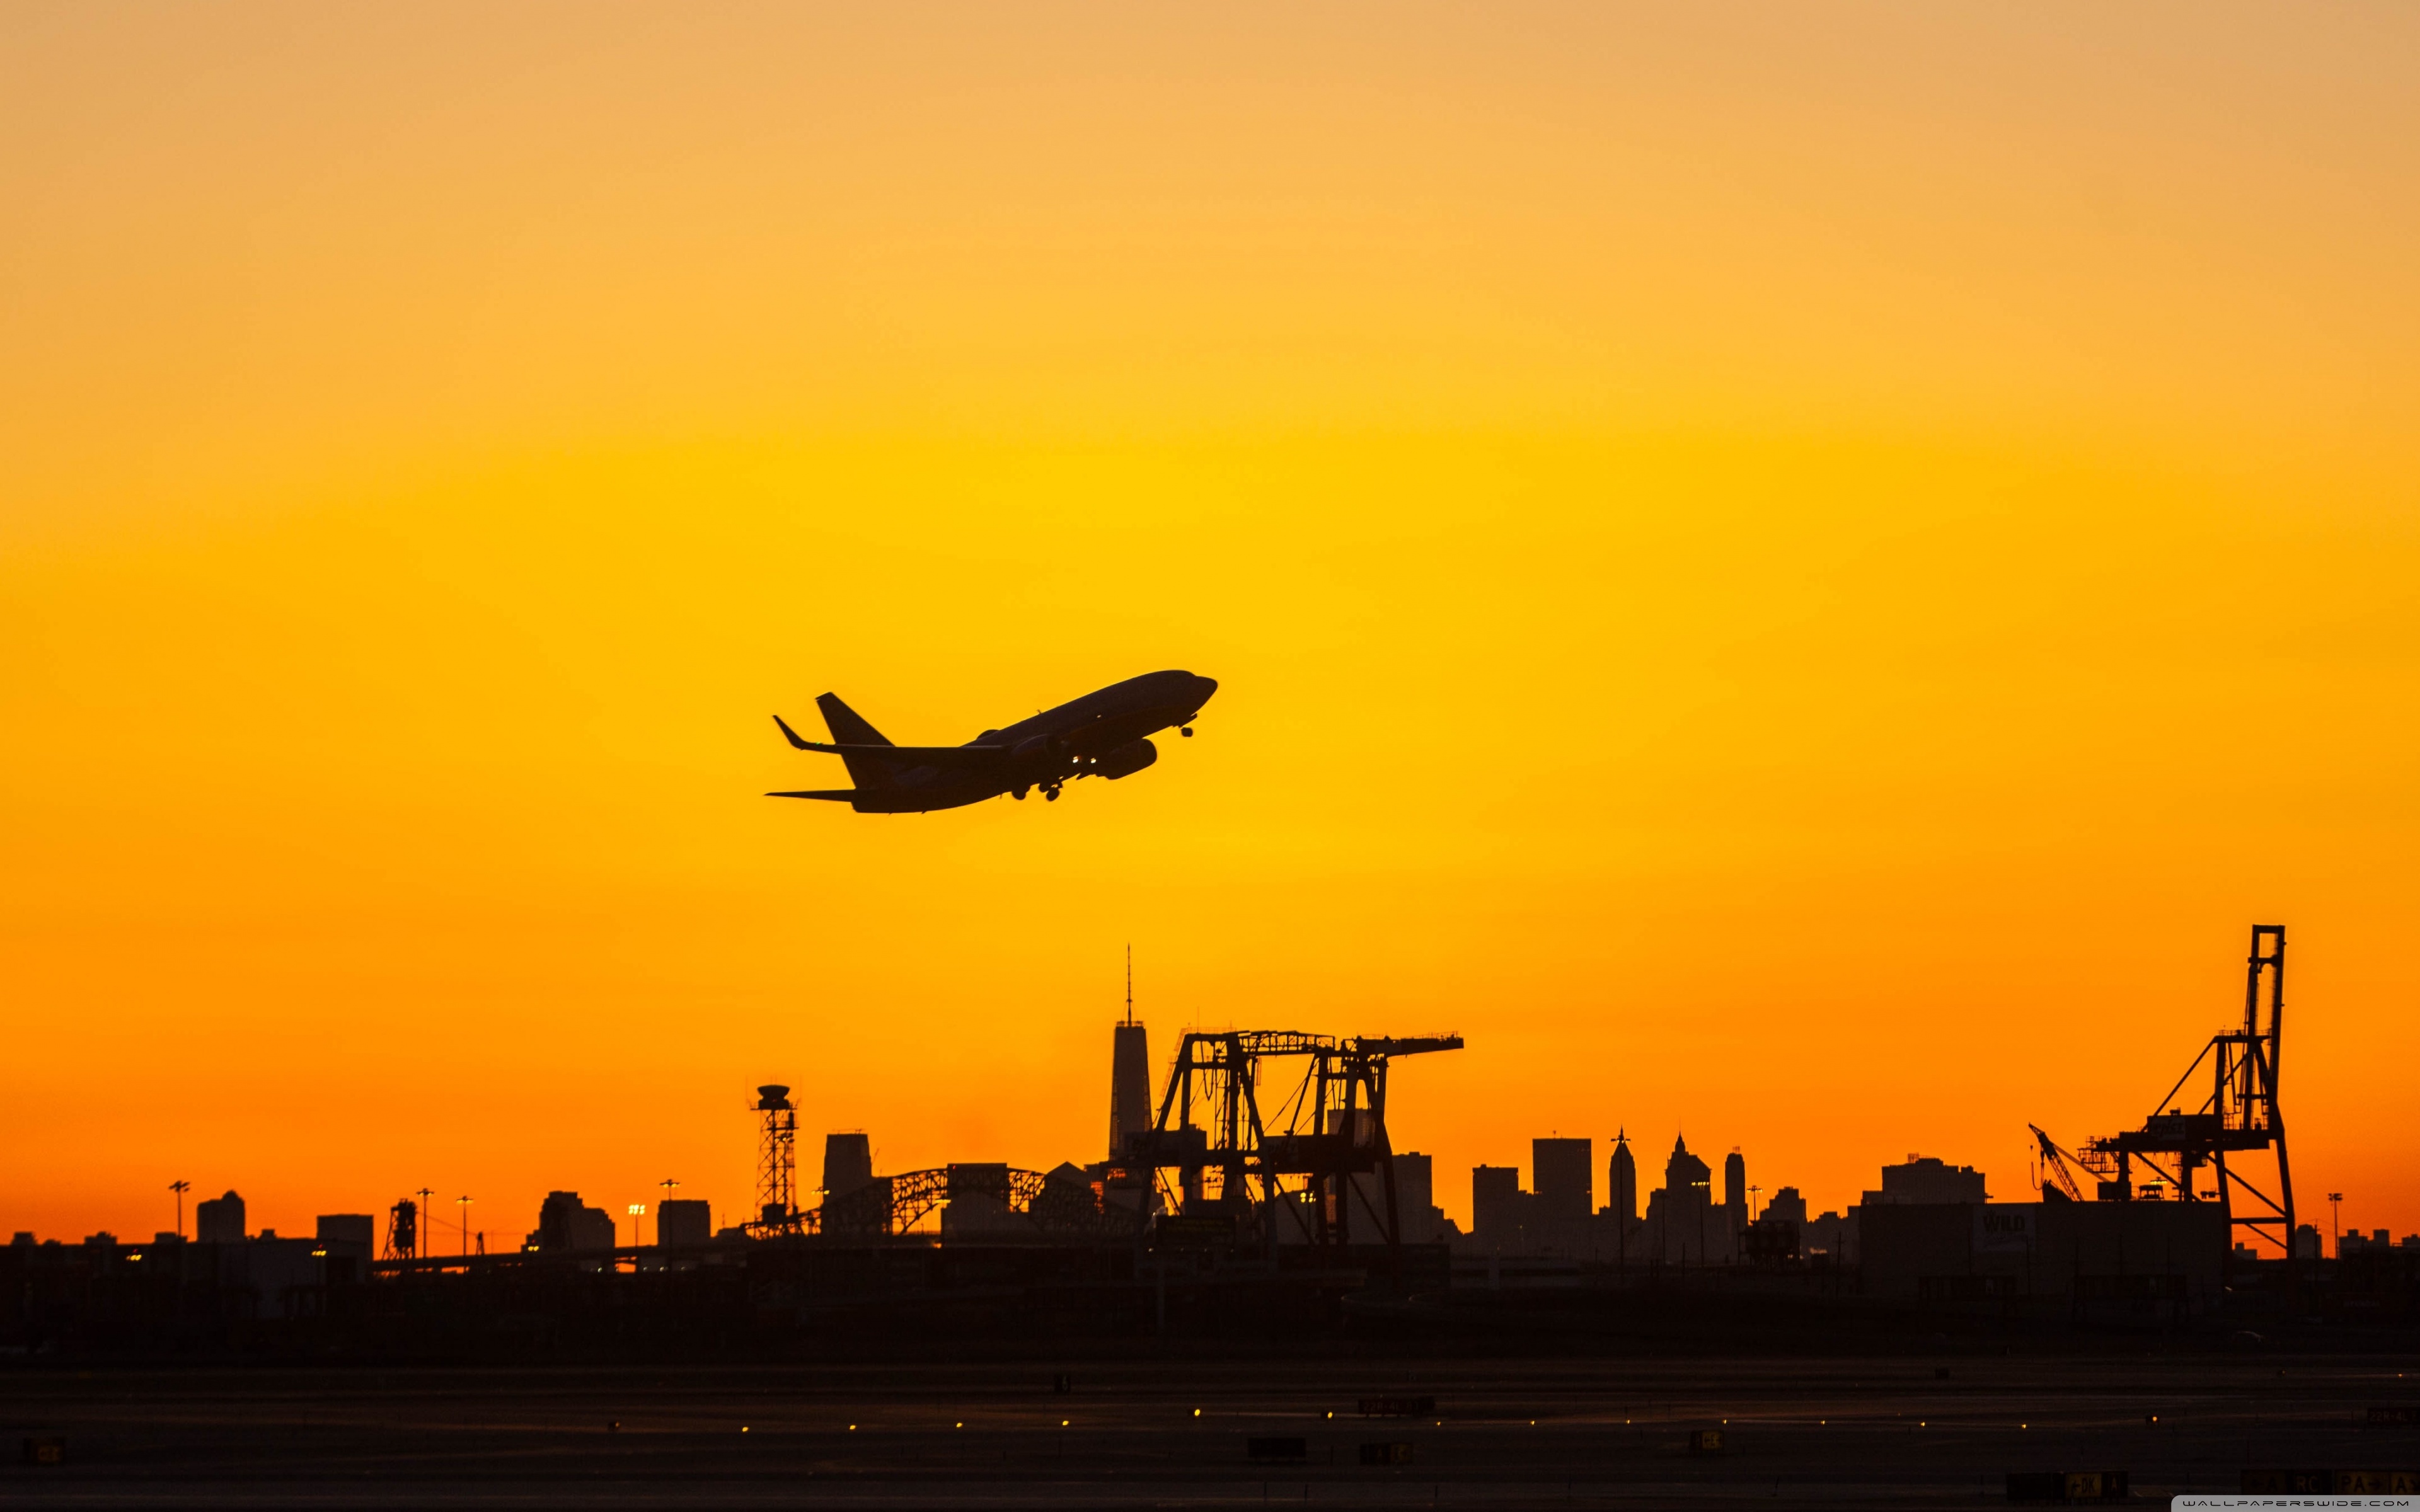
[
  {"x": 181, "y": 1188},
  {"x": 2335, "y": 1221},
  {"x": 462, "y": 1206},
  {"x": 638, "y": 1238}
]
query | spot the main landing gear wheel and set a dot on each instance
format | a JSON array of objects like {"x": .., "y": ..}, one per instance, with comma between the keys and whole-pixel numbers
[
  {"x": 1050, "y": 793},
  {"x": 1185, "y": 730},
  {"x": 1019, "y": 794}
]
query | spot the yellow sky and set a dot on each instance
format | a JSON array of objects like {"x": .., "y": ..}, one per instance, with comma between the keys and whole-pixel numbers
[{"x": 1800, "y": 572}]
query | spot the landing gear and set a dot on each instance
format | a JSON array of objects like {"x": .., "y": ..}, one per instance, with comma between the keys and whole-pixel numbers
[
  {"x": 1185, "y": 730},
  {"x": 1051, "y": 793},
  {"x": 1019, "y": 794}
]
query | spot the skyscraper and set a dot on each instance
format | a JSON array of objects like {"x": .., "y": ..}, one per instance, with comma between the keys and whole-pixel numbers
[
  {"x": 218, "y": 1220},
  {"x": 1129, "y": 1087},
  {"x": 1130, "y": 1111},
  {"x": 1788, "y": 1206},
  {"x": 1686, "y": 1235},
  {"x": 1621, "y": 1181},
  {"x": 1559, "y": 1172},
  {"x": 1735, "y": 1196},
  {"x": 1495, "y": 1202}
]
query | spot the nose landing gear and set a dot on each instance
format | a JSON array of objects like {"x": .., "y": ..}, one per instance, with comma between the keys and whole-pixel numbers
[{"x": 1185, "y": 730}]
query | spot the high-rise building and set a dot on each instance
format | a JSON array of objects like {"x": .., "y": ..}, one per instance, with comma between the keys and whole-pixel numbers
[
  {"x": 566, "y": 1224},
  {"x": 1495, "y": 1201},
  {"x": 684, "y": 1221},
  {"x": 1680, "y": 1213},
  {"x": 218, "y": 1220},
  {"x": 1415, "y": 1190},
  {"x": 1621, "y": 1181},
  {"x": 1418, "y": 1218},
  {"x": 1924, "y": 1179},
  {"x": 1130, "y": 1109},
  {"x": 1735, "y": 1193},
  {"x": 359, "y": 1229},
  {"x": 1560, "y": 1174},
  {"x": 848, "y": 1163},
  {"x": 1788, "y": 1206}
]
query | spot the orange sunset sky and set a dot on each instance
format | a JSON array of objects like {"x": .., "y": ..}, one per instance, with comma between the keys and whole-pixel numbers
[{"x": 1799, "y": 573}]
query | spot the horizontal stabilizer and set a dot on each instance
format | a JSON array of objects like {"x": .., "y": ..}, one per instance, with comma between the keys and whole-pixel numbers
[
  {"x": 791, "y": 734},
  {"x": 830, "y": 794}
]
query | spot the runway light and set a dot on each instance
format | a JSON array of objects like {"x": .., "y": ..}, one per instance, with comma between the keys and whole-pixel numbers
[
  {"x": 852, "y": 1427},
  {"x": 1197, "y": 1411},
  {"x": 1063, "y": 1422},
  {"x": 743, "y": 1427},
  {"x": 957, "y": 1425}
]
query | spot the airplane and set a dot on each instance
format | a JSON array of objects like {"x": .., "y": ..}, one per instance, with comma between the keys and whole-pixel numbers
[{"x": 1100, "y": 735}]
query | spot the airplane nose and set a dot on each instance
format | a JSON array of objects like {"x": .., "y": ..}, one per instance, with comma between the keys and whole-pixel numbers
[{"x": 1203, "y": 688}]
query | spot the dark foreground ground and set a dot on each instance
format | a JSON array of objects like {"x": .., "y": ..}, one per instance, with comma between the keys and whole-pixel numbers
[{"x": 1834, "y": 1433}]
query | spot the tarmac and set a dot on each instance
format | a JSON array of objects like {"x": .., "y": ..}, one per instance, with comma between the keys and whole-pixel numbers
[{"x": 1906, "y": 1431}]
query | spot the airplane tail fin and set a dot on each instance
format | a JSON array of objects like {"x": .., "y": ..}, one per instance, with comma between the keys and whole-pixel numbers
[{"x": 848, "y": 728}]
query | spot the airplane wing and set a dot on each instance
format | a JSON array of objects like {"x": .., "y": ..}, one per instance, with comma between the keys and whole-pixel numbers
[
  {"x": 903, "y": 755},
  {"x": 917, "y": 755}
]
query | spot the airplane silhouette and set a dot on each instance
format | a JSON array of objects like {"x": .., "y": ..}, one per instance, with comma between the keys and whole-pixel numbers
[{"x": 1100, "y": 735}]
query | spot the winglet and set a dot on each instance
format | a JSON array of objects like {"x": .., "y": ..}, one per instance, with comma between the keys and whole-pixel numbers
[{"x": 792, "y": 735}]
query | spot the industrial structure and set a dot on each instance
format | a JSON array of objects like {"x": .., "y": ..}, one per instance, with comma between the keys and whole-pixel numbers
[
  {"x": 2239, "y": 1116},
  {"x": 403, "y": 1231},
  {"x": 777, "y": 1160},
  {"x": 1330, "y": 1128}
]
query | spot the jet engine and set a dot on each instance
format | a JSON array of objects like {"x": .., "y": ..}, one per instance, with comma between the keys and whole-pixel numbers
[{"x": 1127, "y": 760}]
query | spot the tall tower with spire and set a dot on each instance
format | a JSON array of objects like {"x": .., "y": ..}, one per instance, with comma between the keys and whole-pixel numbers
[
  {"x": 1621, "y": 1181},
  {"x": 1130, "y": 1075}
]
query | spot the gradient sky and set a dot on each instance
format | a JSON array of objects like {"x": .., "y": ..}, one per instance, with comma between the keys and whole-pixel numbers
[{"x": 1799, "y": 573}]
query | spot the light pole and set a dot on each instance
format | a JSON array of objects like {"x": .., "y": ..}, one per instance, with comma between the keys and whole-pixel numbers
[
  {"x": 638, "y": 1233},
  {"x": 1705, "y": 1191},
  {"x": 667, "y": 1184},
  {"x": 2335, "y": 1221},
  {"x": 420, "y": 1239},
  {"x": 181, "y": 1188},
  {"x": 1752, "y": 1191},
  {"x": 462, "y": 1206}
]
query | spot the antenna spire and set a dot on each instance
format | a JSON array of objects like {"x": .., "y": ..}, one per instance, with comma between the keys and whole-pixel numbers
[{"x": 1130, "y": 982}]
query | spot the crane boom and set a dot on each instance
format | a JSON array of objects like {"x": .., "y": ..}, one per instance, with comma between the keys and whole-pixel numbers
[{"x": 2055, "y": 1164}]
